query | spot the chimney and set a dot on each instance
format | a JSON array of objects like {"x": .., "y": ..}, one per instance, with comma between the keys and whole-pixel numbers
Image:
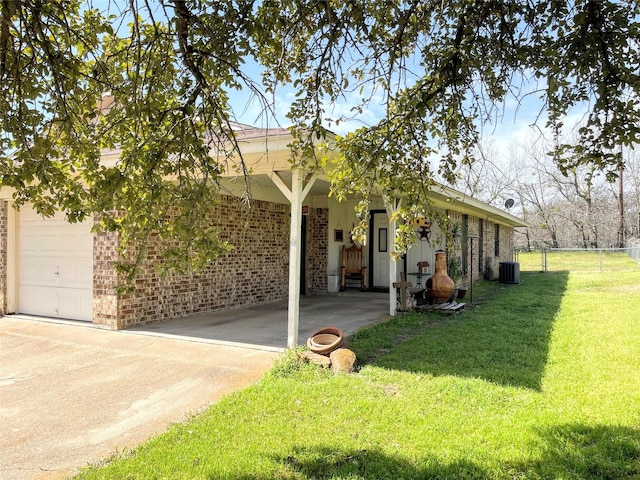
[{"x": 105, "y": 103}]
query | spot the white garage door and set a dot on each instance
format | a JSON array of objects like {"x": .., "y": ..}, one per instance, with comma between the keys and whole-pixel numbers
[{"x": 55, "y": 267}]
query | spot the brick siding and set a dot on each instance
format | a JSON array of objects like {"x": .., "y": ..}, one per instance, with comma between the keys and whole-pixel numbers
[
  {"x": 505, "y": 248},
  {"x": 105, "y": 280},
  {"x": 255, "y": 271},
  {"x": 317, "y": 250},
  {"x": 487, "y": 266}
]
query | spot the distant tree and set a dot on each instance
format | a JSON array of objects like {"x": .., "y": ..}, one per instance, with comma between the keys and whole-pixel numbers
[
  {"x": 536, "y": 196},
  {"x": 488, "y": 177},
  {"x": 576, "y": 207},
  {"x": 440, "y": 69},
  {"x": 631, "y": 185}
]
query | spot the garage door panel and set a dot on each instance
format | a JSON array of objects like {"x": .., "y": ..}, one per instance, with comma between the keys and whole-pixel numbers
[
  {"x": 75, "y": 274},
  {"x": 46, "y": 304},
  {"x": 75, "y": 243},
  {"x": 33, "y": 243},
  {"x": 75, "y": 304},
  {"x": 38, "y": 271},
  {"x": 46, "y": 272},
  {"x": 57, "y": 302}
]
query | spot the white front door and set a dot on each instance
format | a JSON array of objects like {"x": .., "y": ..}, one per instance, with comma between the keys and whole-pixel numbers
[
  {"x": 55, "y": 267},
  {"x": 380, "y": 246}
]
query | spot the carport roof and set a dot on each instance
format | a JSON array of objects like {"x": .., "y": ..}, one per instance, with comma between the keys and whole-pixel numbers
[{"x": 266, "y": 151}]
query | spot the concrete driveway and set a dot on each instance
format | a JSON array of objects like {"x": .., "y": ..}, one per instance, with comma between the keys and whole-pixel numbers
[{"x": 72, "y": 394}]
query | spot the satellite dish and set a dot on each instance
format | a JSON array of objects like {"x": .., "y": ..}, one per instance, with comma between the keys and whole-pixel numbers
[{"x": 509, "y": 203}]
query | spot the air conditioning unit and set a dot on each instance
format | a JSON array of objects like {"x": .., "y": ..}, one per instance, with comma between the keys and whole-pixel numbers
[{"x": 509, "y": 272}]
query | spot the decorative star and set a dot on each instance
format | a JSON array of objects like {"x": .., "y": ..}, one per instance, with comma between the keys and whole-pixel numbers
[{"x": 424, "y": 234}]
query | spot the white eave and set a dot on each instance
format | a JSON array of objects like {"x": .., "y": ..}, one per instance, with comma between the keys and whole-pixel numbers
[{"x": 449, "y": 199}]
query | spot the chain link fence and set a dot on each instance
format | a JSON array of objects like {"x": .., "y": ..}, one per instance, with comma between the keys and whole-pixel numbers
[
  {"x": 588, "y": 260},
  {"x": 633, "y": 249}
]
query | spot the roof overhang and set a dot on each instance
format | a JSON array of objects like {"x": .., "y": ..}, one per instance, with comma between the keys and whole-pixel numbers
[
  {"x": 447, "y": 198},
  {"x": 266, "y": 151}
]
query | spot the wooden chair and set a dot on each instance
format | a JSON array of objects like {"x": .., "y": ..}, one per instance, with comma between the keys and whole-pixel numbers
[{"x": 352, "y": 267}]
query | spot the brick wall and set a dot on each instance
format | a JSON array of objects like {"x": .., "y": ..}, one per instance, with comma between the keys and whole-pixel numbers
[
  {"x": 491, "y": 262},
  {"x": 506, "y": 244},
  {"x": 4, "y": 206},
  {"x": 105, "y": 280},
  {"x": 255, "y": 271},
  {"x": 486, "y": 261},
  {"x": 473, "y": 265},
  {"x": 317, "y": 250},
  {"x": 496, "y": 252}
]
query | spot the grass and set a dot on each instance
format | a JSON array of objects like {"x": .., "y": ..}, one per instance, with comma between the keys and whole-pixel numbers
[{"x": 539, "y": 380}]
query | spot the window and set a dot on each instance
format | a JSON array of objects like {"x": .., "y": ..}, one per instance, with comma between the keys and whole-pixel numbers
[
  {"x": 382, "y": 239},
  {"x": 465, "y": 244},
  {"x": 497, "y": 241}
]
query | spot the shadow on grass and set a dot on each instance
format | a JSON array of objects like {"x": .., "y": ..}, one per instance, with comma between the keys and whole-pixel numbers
[
  {"x": 505, "y": 339},
  {"x": 569, "y": 451},
  {"x": 578, "y": 451},
  {"x": 325, "y": 463}
]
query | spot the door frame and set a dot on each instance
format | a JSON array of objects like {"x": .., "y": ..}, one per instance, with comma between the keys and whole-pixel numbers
[{"x": 370, "y": 234}]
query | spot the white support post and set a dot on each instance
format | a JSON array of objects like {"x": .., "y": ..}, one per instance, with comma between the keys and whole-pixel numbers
[
  {"x": 300, "y": 188},
  {"x": 392, "y": 206},
  {"x": 293, "y": 313},
  {"x": 393, "y": 271}
]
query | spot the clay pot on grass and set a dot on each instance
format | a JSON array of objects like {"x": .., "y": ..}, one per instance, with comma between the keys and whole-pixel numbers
[{"x": 326, "y": 340}]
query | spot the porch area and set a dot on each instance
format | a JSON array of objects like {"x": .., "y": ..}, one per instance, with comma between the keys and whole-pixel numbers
[{"x": 265, "y": 326}]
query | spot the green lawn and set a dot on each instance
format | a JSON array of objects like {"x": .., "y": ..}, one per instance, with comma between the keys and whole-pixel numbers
[
  {"x": 577, "y": 261},
  {"x": 537, "y": 381}
]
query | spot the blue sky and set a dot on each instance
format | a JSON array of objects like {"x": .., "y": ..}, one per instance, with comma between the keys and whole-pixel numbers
[{"x": 513, "y": 122}]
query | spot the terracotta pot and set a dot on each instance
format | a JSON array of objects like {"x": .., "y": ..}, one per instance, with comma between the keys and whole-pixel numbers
[
  {"x": 439, "y": 285},
  {"x": 326, "y": 340}
]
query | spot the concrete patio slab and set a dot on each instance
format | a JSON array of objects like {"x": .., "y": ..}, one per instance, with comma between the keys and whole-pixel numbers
[{"x": 265, "y": 326}]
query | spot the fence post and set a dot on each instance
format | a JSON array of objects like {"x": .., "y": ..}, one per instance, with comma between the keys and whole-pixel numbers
[
  {"x": 544, "y": 260},
  {"x": 600, "y": 259}
]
